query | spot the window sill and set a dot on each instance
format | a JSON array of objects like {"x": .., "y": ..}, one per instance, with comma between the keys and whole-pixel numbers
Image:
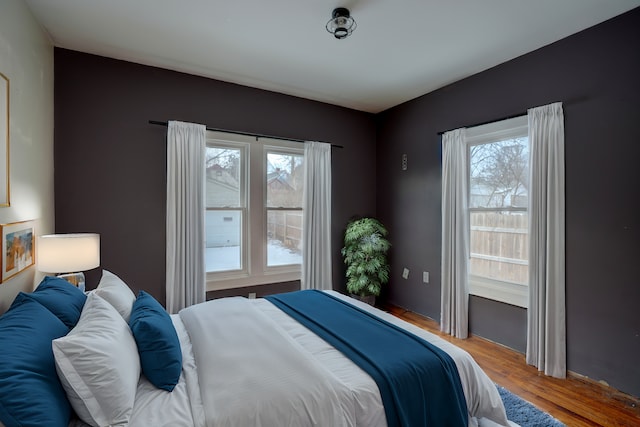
[
  {"x": 509, "y": 293},
  {"x": 244, "y": 280}
]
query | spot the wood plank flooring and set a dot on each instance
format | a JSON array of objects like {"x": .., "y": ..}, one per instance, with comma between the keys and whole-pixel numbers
[{"x": 576, "y": 401}]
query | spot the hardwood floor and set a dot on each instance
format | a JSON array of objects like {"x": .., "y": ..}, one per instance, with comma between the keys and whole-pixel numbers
[{"x": 576, "y": 401}]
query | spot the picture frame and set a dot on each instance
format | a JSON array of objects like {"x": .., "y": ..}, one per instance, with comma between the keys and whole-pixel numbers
[
  {"x": 18, "y": 248},
  {"x": 4, "y": 141}
]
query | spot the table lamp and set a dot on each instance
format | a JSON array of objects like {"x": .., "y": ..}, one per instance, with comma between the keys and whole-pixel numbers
[{"x": 68, "y": 255}]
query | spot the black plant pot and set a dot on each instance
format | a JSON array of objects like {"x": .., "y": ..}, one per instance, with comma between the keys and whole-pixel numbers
[{"x": 369, "y": 299}]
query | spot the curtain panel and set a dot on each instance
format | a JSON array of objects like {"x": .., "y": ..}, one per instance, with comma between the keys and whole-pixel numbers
[
  {"x": 316, "y": 243},
  {"x": 546, "y": 326},
  {"x": 185, "y": 252},
  {"x": 454, "y": 303}
]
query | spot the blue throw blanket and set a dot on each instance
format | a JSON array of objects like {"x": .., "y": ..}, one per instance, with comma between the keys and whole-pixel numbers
[{"x": 418, "y": 382}]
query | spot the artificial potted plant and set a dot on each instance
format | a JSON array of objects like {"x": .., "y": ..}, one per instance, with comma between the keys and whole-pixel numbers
[{"x": 365, "y": 255}]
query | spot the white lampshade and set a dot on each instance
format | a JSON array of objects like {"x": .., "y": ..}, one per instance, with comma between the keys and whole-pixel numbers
[{"x": 67, "y": 253}]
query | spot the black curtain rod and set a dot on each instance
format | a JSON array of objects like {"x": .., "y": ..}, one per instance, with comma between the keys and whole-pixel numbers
[
  {"x": 513, "y": 116},
  {"x": 256, "y": 135}
]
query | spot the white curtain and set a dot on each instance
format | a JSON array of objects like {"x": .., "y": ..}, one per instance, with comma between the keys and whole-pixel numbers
[
  {"x": 316, "y": 249},
  {"x": 454, "y": 304},
  {"x": 546, "y": 331},
  {"x": 185, "y": 275}
]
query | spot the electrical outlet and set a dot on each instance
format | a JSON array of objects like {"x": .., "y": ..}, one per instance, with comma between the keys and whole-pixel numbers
[
  {"x": 252, "y": 295},
  {"x": 405, "y": 273},
  {"x": 425, "y": 276}
]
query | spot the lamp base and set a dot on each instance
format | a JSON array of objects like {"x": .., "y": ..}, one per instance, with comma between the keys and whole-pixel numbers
[{"x": 76, "y": 279}]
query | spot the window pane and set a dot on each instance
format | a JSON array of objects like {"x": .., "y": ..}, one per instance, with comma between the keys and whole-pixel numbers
[
  {"x": 285, "y": 180},
  {"x": 284, "y": 237},
  {"x": 223, "y": 177},
  {"x": 500, "y": 246},
  {"x": 224, "y": 233},
  {"x": 499, "y": 174}
]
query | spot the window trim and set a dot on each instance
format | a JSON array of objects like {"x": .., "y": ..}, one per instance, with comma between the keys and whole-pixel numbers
[
  {"x": 512, "y": 293},
  {"x": 254, "y": 236},
  {"x": 243, "y": 147},
  {"x": 284, "y": 147}
]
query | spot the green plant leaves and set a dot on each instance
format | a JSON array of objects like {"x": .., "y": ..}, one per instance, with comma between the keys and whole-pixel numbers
[{"x": 365, "y": 254}]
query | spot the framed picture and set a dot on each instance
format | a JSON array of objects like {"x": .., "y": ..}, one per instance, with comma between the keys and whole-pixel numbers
[
  {"x": 4, "y": 141},
  {"x": 18, "y": 243}
]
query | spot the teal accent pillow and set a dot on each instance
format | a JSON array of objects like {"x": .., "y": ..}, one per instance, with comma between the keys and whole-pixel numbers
[
  {"x": 30, "y": 392},
  {"x": 157, "y": 340},
  {"x": 61, "y": 298}
]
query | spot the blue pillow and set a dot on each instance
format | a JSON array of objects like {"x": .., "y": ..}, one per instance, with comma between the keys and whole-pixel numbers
[
  {"x": 61, "y": 298},
  {"x": 30, "y": 391},
  {"x": 157, "y": 340}
]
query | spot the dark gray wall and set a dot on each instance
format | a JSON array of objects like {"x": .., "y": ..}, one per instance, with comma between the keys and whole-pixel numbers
[
  {"x": 110, "y": 174},
  {"x": 110, "y": 162},
  {"x": 596, "y": 74},
  {"x": 259, "y": 290}
]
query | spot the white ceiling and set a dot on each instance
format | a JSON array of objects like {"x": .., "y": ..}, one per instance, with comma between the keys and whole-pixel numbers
[{"x": 400, "y": 50}]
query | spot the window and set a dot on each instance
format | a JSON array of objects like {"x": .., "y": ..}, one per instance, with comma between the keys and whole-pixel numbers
[
  {"x": 284, "y": 188},
  {"x": 226, "y": 205},
  {"x": 498, "y": 210},
  {"x": 253, "y": 221}
]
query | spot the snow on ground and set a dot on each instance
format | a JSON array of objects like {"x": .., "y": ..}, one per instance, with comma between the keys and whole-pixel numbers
[{"x": 228, "y": 257}]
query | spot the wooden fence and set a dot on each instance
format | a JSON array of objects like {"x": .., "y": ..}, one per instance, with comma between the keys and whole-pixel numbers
[
  {"x": 500, "y": 246},
  {"x": 499, "y": 242},
  {"x": 285, "y": 226}
]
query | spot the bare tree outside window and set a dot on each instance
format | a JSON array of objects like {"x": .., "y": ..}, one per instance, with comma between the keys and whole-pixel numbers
[
  {"x": 253, "y": 219},
  {"x": 225, "y": 208},
  {"x": 285, "y": 180},
  {"x": 499, "y": 174},
  {"x": 498, "y": 200},
  {"x": 285, "y": 186},
  {"x": 223, "y": 177}
]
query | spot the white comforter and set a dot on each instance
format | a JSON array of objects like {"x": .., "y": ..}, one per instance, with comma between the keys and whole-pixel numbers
[{"x": 246, "y": 363}]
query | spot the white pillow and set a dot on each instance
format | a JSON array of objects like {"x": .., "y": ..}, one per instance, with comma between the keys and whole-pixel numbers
[
  {"x": 117, "y": 293},
  {"x": 98, "y": 365}
]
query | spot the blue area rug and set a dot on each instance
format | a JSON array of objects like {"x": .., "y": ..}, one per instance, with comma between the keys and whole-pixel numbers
[{"x": 524, "y": 413}]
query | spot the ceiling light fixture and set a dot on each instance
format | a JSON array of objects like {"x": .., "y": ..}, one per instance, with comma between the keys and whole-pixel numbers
[{"x": 341, "y": 23}]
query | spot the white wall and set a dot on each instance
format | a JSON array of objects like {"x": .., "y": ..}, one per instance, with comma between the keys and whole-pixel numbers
[{"x": 26, "y": 58}]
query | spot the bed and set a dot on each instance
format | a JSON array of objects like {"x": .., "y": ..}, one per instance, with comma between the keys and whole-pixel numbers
[{"x": 113, "y": 358}]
